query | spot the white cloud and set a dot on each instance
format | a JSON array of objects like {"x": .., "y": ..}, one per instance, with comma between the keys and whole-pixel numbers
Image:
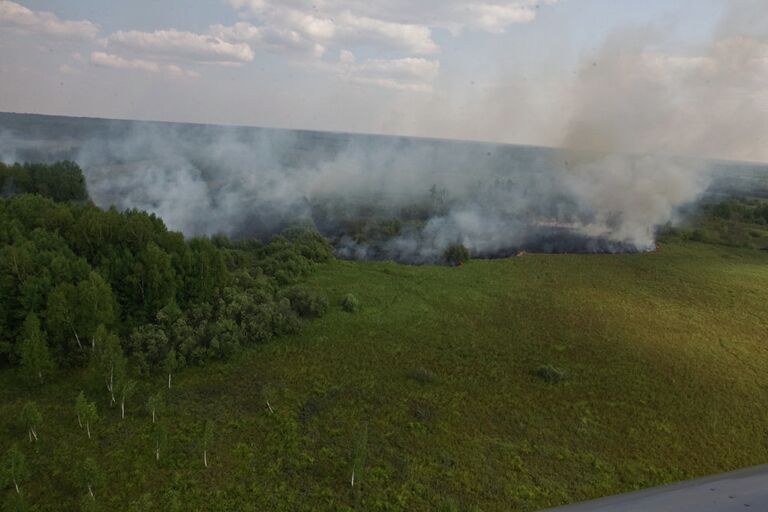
[
  {"x": 346, "y": 56},
  {"x": 315, "y": 27},
  {"x": 117, "y": 62},
  {"x": 456, "y": 15},
  {"x": 272, "y": 38},
  {"x": 68, "y": 70},
  {"x": 406, "y": 37},
  {"x": 495, "y": 18},
  {"x": 408, "y": 74},
  {"x": 327, "y": 24},
  {"x": 397, "y": 33},
  {"x": 343, "y": 26},
  {"x": 177, "y": 44},
  {"x": 41, "y": 22}
]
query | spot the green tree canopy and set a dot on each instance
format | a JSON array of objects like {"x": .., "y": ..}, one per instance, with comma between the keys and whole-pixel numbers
[
  {"x": 31, "y": 418},
  {"x": 35, "y": 356},
  {"x": 15, "y": 469}
]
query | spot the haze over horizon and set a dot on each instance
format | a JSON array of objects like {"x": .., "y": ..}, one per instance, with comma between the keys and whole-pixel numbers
[{"x": 681, "y": 76}]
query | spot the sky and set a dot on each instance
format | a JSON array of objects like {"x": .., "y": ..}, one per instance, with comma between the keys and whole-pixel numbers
[{"x": 549, "y": 72}]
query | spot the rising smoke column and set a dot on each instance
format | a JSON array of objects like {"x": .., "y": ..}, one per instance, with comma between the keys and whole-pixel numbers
[{"x": 632, "y": 97}]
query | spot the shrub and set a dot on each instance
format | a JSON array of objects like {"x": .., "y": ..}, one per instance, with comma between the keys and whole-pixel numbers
[
  {"x": 456, "y": 254},
  {"x": 549, "y": 373},
  {"x": 449, "y": 505},
  {"x": 284, "y": 318},
  {"x": 422, "y": 376},
  {"x": 309, "y": 243},
  {"x": 306, "y": 302},
  {"x": 421, "y": 410},
  {"x": 350, "y": 304},
  {"x": 697, "y": 235}
]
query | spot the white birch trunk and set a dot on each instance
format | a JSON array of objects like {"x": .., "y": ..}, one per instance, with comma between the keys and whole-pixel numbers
[
  {"x": 88, "y": 428},
  {"x": 205, "y": 457},
  {"x": 169, "y": 381},
  {"x": 16, "y": 485},
  {"x": 79, "y": 421},
  {"x": 77, "y": 338},
  {"x": 153, "y": 416},
  {"x": 34, "y": 434},
  {"x": 111, "y": 386},
  {"x": 353, "y": 478},
  {"x": 122, "y": 409},
  {"x": 270, "y": 408}
]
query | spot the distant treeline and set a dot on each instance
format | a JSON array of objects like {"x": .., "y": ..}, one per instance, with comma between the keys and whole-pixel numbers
[
  {"x": 62, "y": 181},
  {"x": 735, "y": 222},
  {"x": 73, "y": 277},
  {"x": 754, "y": 211}
]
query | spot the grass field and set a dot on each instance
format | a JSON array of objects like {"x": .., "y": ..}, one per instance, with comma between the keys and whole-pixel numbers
[{"x": 664, "y": 359}]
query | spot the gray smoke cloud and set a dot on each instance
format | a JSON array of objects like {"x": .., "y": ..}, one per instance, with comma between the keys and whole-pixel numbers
[
  {"x": 638, "y": 121},
  {"x": 494, "y": 199}
]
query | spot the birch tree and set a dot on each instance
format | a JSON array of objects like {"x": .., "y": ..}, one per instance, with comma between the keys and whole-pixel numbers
[
  {"x": 207, "y": 440},
  {"x": 91, "y": 476},
  {"x": 108, "y": 360},
  {"x": 155, "y": 404},
  {"x": 15, "y": 468},
  {"x": 35, "y": 356},
  {"x": 170, "y": 364},
  {"x": 160, "y": 435},
  {"x": 59, "y": 313},
  {"x": 31, "y": 417},
  {"x": 91, "y": 416},
  {"x": 96, "y": 306},
  {"x": 128, "y": 390},
  {"x": 80, "y": 405},
  {"x": 267, "y": 394},
  {"x": 86, "y": 413}
]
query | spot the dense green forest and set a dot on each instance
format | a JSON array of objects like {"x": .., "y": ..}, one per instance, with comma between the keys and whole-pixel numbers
[
  {"x": 121, "y": 295},
  {"x": 61, "y": 181},
  {"x": 136, "y": 374},
  {"x": 72, "y": 275}
]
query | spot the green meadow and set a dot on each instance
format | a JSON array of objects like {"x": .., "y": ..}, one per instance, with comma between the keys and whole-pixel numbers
[{"x": 501, "y": 385}]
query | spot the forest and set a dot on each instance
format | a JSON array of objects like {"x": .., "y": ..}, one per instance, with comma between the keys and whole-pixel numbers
[{"x": 118, "y": 294}]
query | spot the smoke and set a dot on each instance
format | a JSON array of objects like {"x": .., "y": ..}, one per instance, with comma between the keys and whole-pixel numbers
[
  {"x": 374, "y": 197},
  {"x": 639, "y": 121},
  {"x": 633, "y": 96},
  {"x": 386, "y": 197}
]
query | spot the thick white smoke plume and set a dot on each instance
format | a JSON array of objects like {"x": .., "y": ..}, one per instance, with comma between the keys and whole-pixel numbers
[
  {"x": 375, "y": 197},
  {"x": 639, "y": 120}
]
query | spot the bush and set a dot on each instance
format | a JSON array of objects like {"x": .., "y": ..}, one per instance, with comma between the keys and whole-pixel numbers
[
  {"x": 284, "y": 319},
  {"x": 350, "y": 304},
  {"x": 306, "y": 302},
  {"x": 697, "y": 235},
  {"x": 456, "y": 254},
  {"x": 422, "y": 376},
  {"x": 550, "y": 374}
]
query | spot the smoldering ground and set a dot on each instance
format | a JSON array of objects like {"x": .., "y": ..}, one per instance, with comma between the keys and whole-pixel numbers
[{"x": 382, "y": 197}]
